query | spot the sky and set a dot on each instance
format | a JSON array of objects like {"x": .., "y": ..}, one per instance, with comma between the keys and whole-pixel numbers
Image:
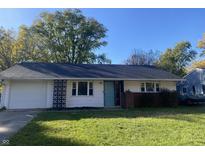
[{"x": 128, "y": 29}]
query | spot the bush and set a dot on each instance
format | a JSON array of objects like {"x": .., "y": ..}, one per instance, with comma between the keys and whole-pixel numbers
[
  {"x": 168, "y": 98},
  {"x": 147, "y": 100},
  {"x": 3, "y": 108}
]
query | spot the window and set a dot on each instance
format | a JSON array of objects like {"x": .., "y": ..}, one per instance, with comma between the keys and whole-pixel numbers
[
  {"x": 90, "y": 88},
  {"x": 82, "y": 88},
  {"x": 194, "y": 90},
  {"x": 157, "y": 87},
  {"x": 74, "y": 89},
  {"x": 203, "y": 89},
  {"x": 184, "y": 90},
  {"x": 149, "y": 87},
  {"x": 142, "y": 87}
]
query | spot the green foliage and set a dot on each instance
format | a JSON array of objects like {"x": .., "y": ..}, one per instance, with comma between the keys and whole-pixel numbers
[
  {"x": 69, "y": 36},
  {"x": 102, "y": 59},
  {"x": 7, "y": 46},
  {"x": 196, "y": 64},
  {"x": 176, "y": 59},
  {"x": 201, "y": 45},
  {"x": 144, "y": 126},
  {"x": 2, "y": 109},
  {"x": 63, "y": 36},
  {"x": 30, "y": 46}
]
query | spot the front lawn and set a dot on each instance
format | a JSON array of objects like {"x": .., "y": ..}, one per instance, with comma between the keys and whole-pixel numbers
[{"x": 164, "y": 126}]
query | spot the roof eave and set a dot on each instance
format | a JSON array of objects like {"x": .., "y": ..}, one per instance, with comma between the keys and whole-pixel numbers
[{"x": 66, "y": 78}]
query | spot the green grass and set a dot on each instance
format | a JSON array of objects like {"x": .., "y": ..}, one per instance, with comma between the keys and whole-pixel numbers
[{"x": 151, "y": 126}]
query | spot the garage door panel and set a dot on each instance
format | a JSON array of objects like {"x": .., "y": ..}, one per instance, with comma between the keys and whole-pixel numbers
[{"x": 27, "y": 94}]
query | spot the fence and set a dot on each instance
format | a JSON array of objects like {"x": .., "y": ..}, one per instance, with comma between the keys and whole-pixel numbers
[{"x": 161, "y": 99}]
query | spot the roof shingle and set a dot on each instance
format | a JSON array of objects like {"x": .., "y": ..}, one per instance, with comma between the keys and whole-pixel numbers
[{"x": 32, "y": 70}]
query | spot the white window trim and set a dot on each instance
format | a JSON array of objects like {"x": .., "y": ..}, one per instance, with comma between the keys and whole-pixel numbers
[
  {"x": 88, "y": 87},
  {"x": 88, "y": 93},
  {"x": 145, "y": 87},
  {"x": 76, "y": 93}
]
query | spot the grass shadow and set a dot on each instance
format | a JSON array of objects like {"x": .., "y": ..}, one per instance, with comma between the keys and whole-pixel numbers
[
  {"x": 35, "y": 134},
  {"x": 121, "y": 113},
  {"x": 48, "y": 128}
]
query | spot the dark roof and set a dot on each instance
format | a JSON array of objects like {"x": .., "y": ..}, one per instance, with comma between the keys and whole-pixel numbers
[{"x": 30, "y": 70}]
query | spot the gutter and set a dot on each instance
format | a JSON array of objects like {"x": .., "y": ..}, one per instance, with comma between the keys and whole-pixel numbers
[{"x": 116, "y": 79}]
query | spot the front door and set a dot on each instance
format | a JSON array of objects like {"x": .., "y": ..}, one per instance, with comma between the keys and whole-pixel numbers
[{"x": 109, "y": 94}]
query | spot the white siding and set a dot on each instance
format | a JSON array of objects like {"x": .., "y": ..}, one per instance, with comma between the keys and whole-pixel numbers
[
  {"x": 97, "y": 100},
  {"x": 27, "y": 94},
  {"x": 5, "y": 94},
  {"x": 171, "y": 85},
  {"x": 134, "y": 86},
  {"x": 49, "y": 94}
]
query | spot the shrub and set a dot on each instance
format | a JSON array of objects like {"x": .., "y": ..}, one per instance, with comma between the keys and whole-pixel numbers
[
  {"x": 3, "y": 108},
  {"x": 168, "y": 98}
]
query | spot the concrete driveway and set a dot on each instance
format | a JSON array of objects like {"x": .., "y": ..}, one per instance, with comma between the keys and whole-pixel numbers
[{"x": 12, "y": 121}]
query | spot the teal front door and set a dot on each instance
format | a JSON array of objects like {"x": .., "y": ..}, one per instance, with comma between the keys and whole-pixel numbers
[{"x": 109, "y": 93}]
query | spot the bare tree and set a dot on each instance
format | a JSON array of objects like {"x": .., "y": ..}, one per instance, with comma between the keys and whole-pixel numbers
[{"x": 141, "y": 57}]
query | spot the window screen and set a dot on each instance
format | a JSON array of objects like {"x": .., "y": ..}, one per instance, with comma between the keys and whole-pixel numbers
[
  {"x": 90, "y": 88},
  {"x": 82, "y": 88},
  {"x": 149, "y": 87},
  {"x": 203, "y": 89},
  {"x": 157, "y": 87},
  {"x": 142, "y": 87},
  {"x": 74, "y": 89}
]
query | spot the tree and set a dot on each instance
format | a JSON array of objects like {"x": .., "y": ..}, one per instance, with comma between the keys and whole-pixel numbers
[
  {"x": 102, "y": 59},
  {"x": 30, "y": 47},
  {"x": 176, "y": 59},
  {"x": 64, "y": 36},
  {"x": 140, "y": 57},
  {"x": 70, "y": 37},
  {"x": 7, "y": 52},
  {"x": 201, "y": 63},
  {"x": 197, "y": 64},
  {"x": 201, "y": 44}
]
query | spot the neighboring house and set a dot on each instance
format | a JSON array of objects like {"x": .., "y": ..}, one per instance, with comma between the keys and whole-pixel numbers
[
  {"x": 193, "y": 85},
  {"x": 1, "y": 105},
  {"x": 48, "y": 85}
]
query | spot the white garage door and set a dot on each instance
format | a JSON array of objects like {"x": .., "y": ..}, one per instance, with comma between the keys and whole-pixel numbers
[{"x": 27, "y": 94}]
